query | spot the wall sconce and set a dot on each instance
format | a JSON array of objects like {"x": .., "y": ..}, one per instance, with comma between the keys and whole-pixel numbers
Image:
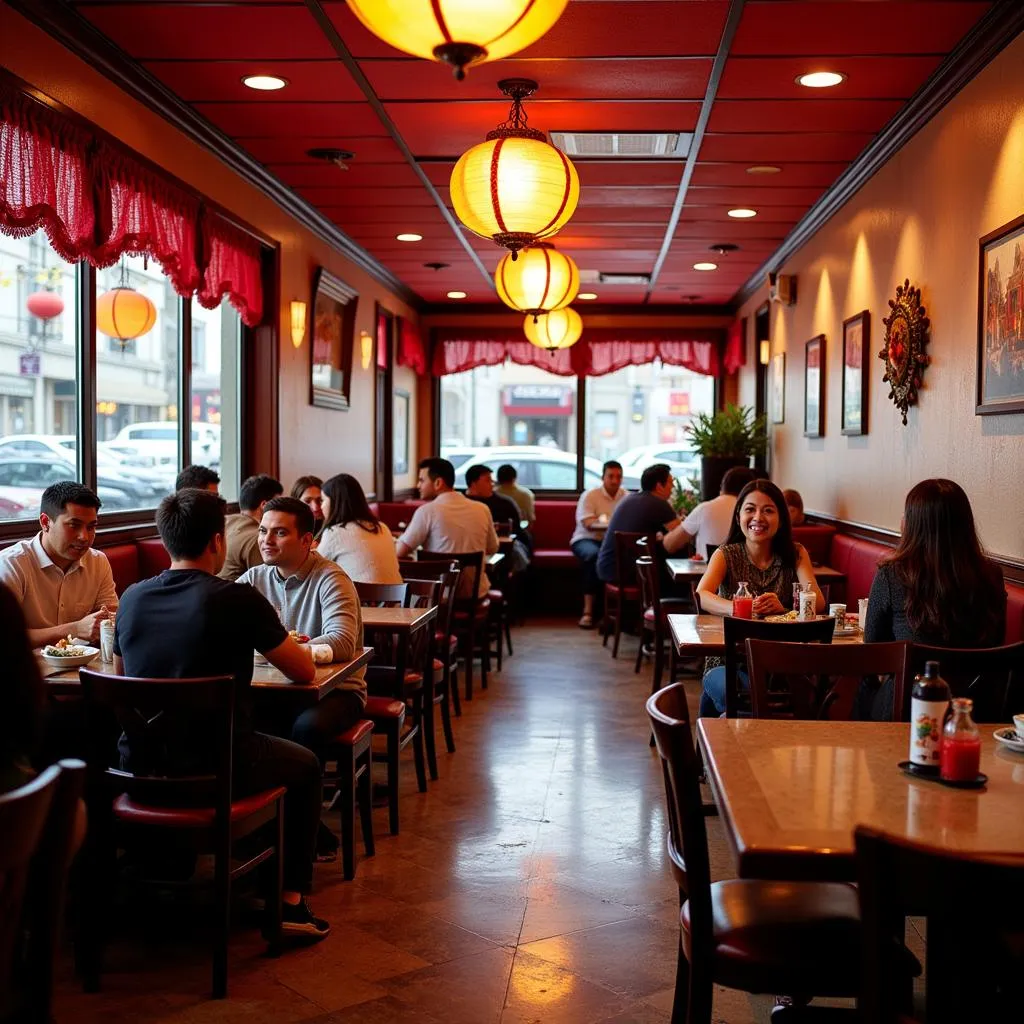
[
  {"x": 365, "y": 348},
  {"x": 765, "y": 352},
  {"x": 298, "y": 323}
]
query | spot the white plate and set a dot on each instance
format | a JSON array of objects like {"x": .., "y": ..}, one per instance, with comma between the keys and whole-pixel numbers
[
  {"x": 847, "y": 630},
  {"x": 82, "y": 659},
  {"x": 1008, "y": 737}
]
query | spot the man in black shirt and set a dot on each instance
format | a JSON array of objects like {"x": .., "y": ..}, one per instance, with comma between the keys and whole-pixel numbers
[
  {"x": 187, "y": 622},
  {"x": 480, "y": 487}
]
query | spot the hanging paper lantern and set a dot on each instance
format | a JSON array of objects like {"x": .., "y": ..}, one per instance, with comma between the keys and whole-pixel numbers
[
  {"x": 45, "y": 305},
  {"x": 560, "y": 328},
  {"x": 541, "y": 279},
  {"x": 515, "y": 188},
  {"x": 458, "y": 32},
  {"x": 124, "y": 313}
]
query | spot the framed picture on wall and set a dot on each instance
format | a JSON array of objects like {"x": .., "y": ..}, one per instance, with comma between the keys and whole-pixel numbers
[
  {"x": 1001, "y": 320},
  {"x": 400, "y": 435},
  {"x": 856, "y": 343},
  {"x": 778, "y": 388},
  {"x": 334, "y": 324},
  {"x": 814, "y": 387}
]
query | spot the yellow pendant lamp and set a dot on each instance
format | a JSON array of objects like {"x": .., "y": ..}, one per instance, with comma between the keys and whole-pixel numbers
[
  {"x": 561, "y": 328},
  {"x": 540, "y": 280},
  {"x": 515, "y": 188},
  {"x": 458, "y": 32}
]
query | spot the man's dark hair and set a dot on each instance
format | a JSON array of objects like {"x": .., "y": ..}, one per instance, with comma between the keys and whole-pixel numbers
[
  {"x": 507, "y": 474},
  {"x": 67, "y": 492},
  {"x": 439, "y": 469},
  {"x": 256, "y": 490},
  {"x": 196, "y": 476},
  {"x": 475, "y": 472},
  {"x": 654, "y": 476},
  {"x": 304, "y": 520},
  {"x": 611, "y": 464},
  {"x": 188, "y": 520},
  {"x": 736, "y": 479}
]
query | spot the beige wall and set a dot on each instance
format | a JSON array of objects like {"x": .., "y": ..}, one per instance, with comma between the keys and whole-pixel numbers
[
  {"x": 920, "y": 217},
  {"x": 311, "y": 440}
]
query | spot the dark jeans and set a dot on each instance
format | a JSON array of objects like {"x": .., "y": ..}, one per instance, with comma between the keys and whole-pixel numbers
[
  {"x": 316, "y": 727},
  {"x": 586, "y": 550},
  {"x": 263, "y": 762},
  {"x": 712, "y": 697}
]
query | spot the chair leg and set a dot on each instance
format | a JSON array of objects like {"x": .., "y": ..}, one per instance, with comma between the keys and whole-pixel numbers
[
  {"x": 427, "y": 703},
  {"x": 453, "y": 688},
  {"x": 446, "y": 722},
  {"x": 364, "y": 797},
  {"x": 485, "y": 659},
  {"x": 508, "y": 634},
  {"x": 681, "y": 996},
  {"x": 417, "y": 756},
  {"x": 606, "y": 614},
  {"x": 222, "y": 925},
  {"x": 640, "y": 649},
  {"x": 470, "y": 651},
  {"x": 272, "y": 911},
  {"x": 618, "y": 629},
  {"x": 394, "y": 747},
  {"x": 497, "y": 633},
  {"x": 347, "y": 805},
  {"x": 659, "y": 661}
]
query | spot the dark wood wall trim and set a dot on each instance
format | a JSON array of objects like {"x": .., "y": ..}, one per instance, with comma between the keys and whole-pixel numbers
[
  {"x": 79, "y": 36},
  {"x": 993, "y": 32}
]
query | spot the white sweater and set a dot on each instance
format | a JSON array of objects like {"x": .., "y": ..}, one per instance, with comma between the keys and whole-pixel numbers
[{"x": 366, "y": 557}]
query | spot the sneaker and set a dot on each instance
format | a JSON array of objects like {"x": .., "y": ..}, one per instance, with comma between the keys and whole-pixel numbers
[
  {"x": 298, "y": 919},
  {"x": 586, "y": 622}
]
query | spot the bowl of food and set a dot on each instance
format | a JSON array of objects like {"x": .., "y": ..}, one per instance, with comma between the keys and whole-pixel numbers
[
  {"x": 69, "y": 653},
  {"x": 299, "y": 638}
]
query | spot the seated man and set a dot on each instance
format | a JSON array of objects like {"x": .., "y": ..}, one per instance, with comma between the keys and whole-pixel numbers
[
  {"x": 187, "y": 622},
  {"x": 709, "y": 523},
  {"x": 593, "y": 513},
  {"x": 243, "y": 528},
  {"x": 202, "y": 477},
  {"x": 795, "y": 504},
  {"x": 646, "y": 512},
  {"x": 63, "y": 585},
  {"x": 480, "y": 487},
  {"x": 449, "y": 522},
  {"x": 522, "y": 496}
]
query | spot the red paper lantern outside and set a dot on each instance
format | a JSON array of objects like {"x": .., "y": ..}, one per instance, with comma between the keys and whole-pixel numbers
[{"x": 45, "y": 305}]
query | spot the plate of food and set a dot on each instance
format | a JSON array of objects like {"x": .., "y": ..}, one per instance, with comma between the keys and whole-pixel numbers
[
  {"x": 69, "y": 653},
  {"x": 1008, "y": 738}
]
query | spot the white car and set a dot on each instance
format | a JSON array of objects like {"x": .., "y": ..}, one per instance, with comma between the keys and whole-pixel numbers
[
  {"x": 159, "y": 438},
  {"x": 538, "y": 468},
  {"x": 683, "y": 462}
]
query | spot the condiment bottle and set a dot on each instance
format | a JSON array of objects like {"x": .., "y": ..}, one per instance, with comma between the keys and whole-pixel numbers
[
  {"x": 929, "y": 702},
  {"x": 960, "y": 752},
  {"x": 743, "y": 602}
]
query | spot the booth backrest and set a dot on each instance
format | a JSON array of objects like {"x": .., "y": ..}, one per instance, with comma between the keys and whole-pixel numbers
[
  {"x": 1014, "y": 613},
  {"x": 555, "y": 523},
  {"x": 153, "y": 557},
  {"x": 858, "y": 559},
  {"x": 391, "y": 513},
  {"x": 817, "y": 540},
  {"x": 124, "y": 564}
]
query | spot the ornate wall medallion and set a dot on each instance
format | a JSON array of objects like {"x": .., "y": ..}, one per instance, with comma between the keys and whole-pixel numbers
[{"x": 906, "y": 334}]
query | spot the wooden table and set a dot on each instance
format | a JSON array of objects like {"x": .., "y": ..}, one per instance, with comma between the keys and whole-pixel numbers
[
  {"x": 790, "y": 794},
  {"x": 702, "y": 636},
  {"x": 265, "y": 678},
  {"x": 400, "y": 621},
  {"x": 496, "y": 559},
  {"x": 692, "y": 569}
]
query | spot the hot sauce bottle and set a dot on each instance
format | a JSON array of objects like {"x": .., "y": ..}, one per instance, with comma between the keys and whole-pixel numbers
[
  {"x": 929, "y": 702},
  {"x": 960, "y": 752}
]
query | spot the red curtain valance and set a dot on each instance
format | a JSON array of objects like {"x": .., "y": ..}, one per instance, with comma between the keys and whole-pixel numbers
[
  {"x": 602, "y": 351},
  {"x": 411, "y": 350},
  {"x": 97, "y": 202},
  {"x": 735, "y": 350}
]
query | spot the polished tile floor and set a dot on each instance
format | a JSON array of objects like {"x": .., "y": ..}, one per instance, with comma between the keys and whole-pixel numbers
[{"x": 529, "y": 885}]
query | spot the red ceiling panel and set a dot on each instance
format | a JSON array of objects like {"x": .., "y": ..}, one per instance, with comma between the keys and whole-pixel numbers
[
  {"x": 278, "y": 150},
  {"x": 812, "y": 115},
  {"x": 728, "y": 198},
  {"x": 402, "y": 219},
  {"x": 766, "y": 148},
  {"x": 590, "y": 215},
  {"x": 281, "y": 119},
  {"x": 309, "y": 80},
  {"x": 392, "y": 198},
  {"x": 358, "y": 175},
  {"x": 791, "y": 175}
]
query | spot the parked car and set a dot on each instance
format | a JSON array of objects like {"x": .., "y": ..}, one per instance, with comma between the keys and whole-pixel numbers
[
  {"x": 538, "y": 468},
  {"x": 159, "y": 439},
  {"x": 683, "y": 462},
  {"x": 23, "y": 478}
]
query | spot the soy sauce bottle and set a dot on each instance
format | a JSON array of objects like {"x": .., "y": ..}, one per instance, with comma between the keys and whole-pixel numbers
[{"x": 929, "y": 703}]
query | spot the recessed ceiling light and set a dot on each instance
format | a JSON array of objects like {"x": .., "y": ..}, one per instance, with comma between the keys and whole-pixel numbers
[
  {"x": 705, "y": 266},
  {"x": 587, "y": 296},
  {"x": 742, "y": 213},
  {"x": 456, "y": 295},
  {"x": 764, "y": 169},
  {"x": 821, "y": 79},
  {"x": 264, "y": 83},
  {"x": 409, "y": 236}
]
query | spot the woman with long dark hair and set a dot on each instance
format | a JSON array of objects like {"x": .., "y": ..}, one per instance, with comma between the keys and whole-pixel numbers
[
  {"x": 24, "y": 697},
  {"x": 308, "y": 490},
  {"x": 353, "y": 536},
  {"x": 760, "y": 552}
]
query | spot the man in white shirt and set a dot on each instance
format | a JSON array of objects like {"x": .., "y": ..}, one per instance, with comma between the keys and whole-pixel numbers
[
  {"x": 63, "y": 586},
  {"x": 449, "y": 522},
  {"x": 709, "y": 523},
  {"x": 593, "y": 513}
]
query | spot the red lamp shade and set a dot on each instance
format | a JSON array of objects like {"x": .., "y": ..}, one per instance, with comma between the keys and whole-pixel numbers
[{"x": 45, "y": 305}]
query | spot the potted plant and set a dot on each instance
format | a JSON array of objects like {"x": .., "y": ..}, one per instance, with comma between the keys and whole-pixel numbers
[
  {"x": 684, "y": 497},
  {"x": 726, "y": 439}
]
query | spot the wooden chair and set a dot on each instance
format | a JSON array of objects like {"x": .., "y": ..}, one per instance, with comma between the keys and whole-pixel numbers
[
  {"x": 819, "y": 680},
  {"x": 654, "y": 623},
  {"x": 738, "y": 631},
  {"x": 37, "y": 822},
  {"x": 993, "y": 677},
  {"x": 623, "y": 593},
  {"x": 428, "y": 672},
  {"x": 380, "y": 595},
  {"x": 161, "y": 805},
  {"x": 794, "y": 938},
  {"x": 352, "y": 752}
]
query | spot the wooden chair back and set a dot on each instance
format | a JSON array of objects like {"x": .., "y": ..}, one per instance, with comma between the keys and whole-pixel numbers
[
  {"x": 381, "y": 595},
  {"x": 993, "y": 677},
  {"x": 647, "y": 548},
  {"x": 650, "y": 593},
  {"x": 447, "y": 575},
  {"x": 738, "y": 631},
  {"x": 687, "y": 840},
  {"x": 503, "y": 527},
  {"x": 695, "y": 594},
  {"x": 975, "y": 952},
  {"x": 625, "y": 558},
  {"x": 472, "y": 565},
  {"x": 709, "y": 550},
  {"x": 815, "y": 680},
  {"x": 422, "y": 594}
]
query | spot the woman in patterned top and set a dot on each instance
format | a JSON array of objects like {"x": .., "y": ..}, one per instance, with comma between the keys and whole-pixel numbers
[{"x": 760, "y": 552}]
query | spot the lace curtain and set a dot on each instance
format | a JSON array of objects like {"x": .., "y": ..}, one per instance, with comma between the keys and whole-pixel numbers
[{"x": 233, "y": 267}]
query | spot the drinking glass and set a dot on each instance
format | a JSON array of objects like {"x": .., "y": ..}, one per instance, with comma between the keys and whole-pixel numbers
[{"x": 862, "y": 611}]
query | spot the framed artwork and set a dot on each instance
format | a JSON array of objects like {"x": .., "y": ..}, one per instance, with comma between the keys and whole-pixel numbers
[
  {"x": 1001, "y": 320},
  {"x": 400, "y": 433},
  {"x": 778, "y": 388},
  {"x": 334, "y": 324},
  {"x": 856, "y": 342},
  {"x": 814, "y": 387}
]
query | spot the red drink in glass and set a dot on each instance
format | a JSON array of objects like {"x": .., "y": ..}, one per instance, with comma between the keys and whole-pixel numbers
[
  {"x": 960, "y": 759},
  {"x": 743, "y": 607}
]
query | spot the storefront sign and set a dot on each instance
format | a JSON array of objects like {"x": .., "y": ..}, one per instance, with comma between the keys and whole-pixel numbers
[{"x": 29, "y": 364}]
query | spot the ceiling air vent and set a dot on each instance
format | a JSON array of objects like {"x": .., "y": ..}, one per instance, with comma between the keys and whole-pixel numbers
[
  {"x": 621, "y": 145},
  {"x": 604, "y": 278}
]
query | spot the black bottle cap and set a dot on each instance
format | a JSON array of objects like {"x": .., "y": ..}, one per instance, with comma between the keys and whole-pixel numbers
[{"x": 931, "y": 670}]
